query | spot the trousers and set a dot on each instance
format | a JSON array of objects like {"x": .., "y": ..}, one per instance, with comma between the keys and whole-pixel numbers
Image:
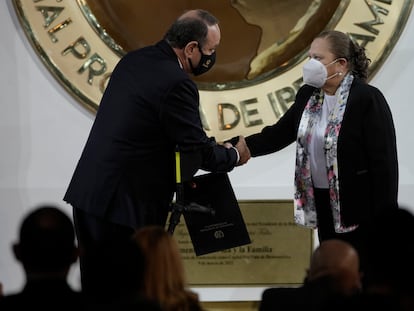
[{"x": 110, "y": 263}]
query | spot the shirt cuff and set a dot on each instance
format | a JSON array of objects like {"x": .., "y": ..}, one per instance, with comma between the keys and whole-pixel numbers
[{"x": 238, "y": 154}]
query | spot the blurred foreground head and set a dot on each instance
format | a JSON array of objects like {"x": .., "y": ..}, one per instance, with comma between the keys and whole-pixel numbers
[
  {"x": 46, "y": 242},
  {"x": 338, "y": 262}
]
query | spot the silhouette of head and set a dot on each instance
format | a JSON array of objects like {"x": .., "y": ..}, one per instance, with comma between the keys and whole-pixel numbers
[
  {"x": 337, "y": 261},
  {"x": 164, "y": 279},
  {"x": 46, "y": 241}
]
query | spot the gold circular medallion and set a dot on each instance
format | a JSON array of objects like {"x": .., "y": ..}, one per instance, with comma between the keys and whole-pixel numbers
[{"x": 259, "y": 61}]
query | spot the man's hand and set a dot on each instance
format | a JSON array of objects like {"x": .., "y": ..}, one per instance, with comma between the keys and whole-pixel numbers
[
  {"x": 244, "y": 151},
  {"x": 242, "y": 148}
]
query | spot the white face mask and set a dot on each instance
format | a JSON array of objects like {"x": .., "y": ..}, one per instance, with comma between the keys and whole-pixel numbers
[{"x": 315, "y": 73}]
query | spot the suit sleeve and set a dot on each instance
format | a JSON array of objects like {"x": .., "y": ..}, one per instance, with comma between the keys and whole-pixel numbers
[
  {"x": 275, "y": 137},
  {"x": 181, "y": 118}
]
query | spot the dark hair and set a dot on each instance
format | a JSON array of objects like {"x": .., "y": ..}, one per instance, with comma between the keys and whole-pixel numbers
[
  {"x": 47, "y": 239},
  {"x": 189, "y": 28},
  {"x": 342, "y": 46}
]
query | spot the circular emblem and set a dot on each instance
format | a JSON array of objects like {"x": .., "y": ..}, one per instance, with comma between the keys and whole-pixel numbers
[
  {"x": 219, "y": 234},
  {"x": 259, "y": 61}
]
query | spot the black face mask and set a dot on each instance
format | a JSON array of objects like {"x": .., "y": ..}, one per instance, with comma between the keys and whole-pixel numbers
[{"x": 205, "y": 64}]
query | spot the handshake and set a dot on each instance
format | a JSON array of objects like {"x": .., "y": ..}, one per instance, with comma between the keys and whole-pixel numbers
[{"x": 240, "y": 144}]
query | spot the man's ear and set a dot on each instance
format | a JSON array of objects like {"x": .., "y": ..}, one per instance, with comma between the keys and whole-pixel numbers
[
  {"x": 17, "y": 251},
  {"x": 190, "y": 48}
]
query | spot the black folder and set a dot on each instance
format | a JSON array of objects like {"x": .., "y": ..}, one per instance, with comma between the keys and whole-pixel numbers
[{"x": 222, "y": 229}]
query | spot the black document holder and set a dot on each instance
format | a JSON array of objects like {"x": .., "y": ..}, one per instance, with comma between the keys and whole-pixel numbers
[{"x": 226, "y": 228}]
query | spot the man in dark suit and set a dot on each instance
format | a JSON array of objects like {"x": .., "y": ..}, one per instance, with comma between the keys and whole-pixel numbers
[{"x": 125, "y": 178}]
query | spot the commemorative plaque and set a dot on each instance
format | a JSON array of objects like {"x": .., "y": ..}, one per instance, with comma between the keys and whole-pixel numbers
[{"x": 278, "y": 254}]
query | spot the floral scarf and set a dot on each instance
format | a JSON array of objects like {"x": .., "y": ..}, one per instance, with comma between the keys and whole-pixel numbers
[{"x": 305, "y": 210}]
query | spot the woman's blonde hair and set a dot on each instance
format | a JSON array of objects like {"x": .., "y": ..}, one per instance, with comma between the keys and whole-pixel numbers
[{"x": 164, "y": 277}]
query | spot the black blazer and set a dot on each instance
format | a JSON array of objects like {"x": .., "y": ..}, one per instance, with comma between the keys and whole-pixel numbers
[
  {"x": 149, "y": 107},
  {"x": 367, "y": 151},
  {"x": 44, "y": 295},
  {"x": 318, "y": 295}
]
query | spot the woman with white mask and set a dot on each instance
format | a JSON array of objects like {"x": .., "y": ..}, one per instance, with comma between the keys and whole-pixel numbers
[{"x": 346, "y": 155}]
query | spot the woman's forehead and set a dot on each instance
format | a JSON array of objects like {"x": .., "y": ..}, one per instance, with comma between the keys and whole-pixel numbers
[{"x": 320, "y": 46}]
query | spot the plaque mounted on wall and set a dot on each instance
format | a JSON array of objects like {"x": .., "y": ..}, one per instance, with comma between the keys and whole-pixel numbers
[{"x": 279, "y": 252}]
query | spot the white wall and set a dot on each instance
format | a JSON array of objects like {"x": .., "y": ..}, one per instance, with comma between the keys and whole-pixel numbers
[{"x": 43, "y": 130}]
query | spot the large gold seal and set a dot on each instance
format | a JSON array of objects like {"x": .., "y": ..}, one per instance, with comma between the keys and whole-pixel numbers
[{"x": 260, "y": 58}]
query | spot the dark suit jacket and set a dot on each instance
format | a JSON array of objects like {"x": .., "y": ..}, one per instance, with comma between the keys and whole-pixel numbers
[
  {"x": 149, "y": 107},
  {"x": 367, "y": 152},
  {"x": 44, "y": 295},
  {"x": 317, "y": 295}
]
